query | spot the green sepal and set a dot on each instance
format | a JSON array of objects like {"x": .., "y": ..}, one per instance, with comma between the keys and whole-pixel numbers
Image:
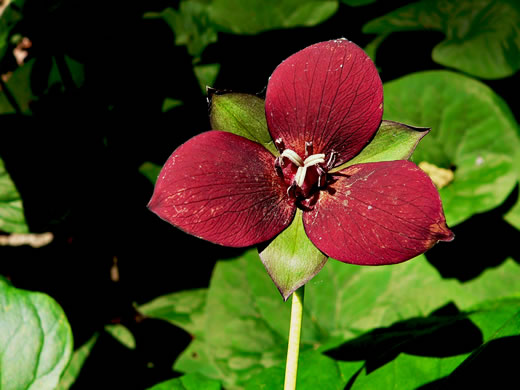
[
  {"x": 241, "y": 114},
  {"x": 291, "y": 259},
  {"x": 393, "y": 141}
]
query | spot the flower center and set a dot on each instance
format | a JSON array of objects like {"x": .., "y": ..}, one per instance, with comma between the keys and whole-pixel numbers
[{"x": 304, "y": 177}]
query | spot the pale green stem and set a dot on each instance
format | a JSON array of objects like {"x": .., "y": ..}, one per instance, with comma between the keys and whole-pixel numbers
[{"x": 293, "y": 349}]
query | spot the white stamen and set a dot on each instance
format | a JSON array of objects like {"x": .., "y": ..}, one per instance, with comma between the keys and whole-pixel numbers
[
  {"x": 293, "y": 156},
  {"x": 299, "y": 178},
  {"x": 314, "y": 159}
]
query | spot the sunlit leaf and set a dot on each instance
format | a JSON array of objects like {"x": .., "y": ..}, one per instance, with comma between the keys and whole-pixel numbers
[
  {"x": 473, "y": 131},
  {"x": 35, "y": 340},
  {"x": 246, "y": 321},
  {"x": 188, "y": 382},
  {"x": 315, "y": 371},
  {"x": 481, "y": 36},
  {"x": 410, "y": 370}
]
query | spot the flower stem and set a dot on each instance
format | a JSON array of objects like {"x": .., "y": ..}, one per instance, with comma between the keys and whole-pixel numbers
[{"x": 293, "y": 349}]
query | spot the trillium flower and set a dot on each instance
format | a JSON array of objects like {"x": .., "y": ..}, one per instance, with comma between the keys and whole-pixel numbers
[{"x": 322, "y": 186}]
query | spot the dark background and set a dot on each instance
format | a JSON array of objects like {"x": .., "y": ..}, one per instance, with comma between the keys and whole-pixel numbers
[{"x": 75, "y": 161}]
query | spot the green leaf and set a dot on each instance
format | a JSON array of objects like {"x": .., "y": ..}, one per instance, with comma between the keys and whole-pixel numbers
[
  {"x": 241, "y": 114},
  {"x": 245, "y": 323},
  {"x": 79, "y": 357},
  {"x": 407, "y": 372},
  {"x": 237, "y": 342},
  {"x": 474, "y": 189},
  {"x": 184, "y": 309},
  {"x": 12, "y": 219},
  {"x": 255, "y": 16},
  {"x": 122, "y": 334},
  {"x": 291, "y": 259},
  {"x": 315, "y": 371},
  {"x": 503, "y": 330},
  {"x": 35, "y": 340},
  {"x": 424, "y": 350},
  {"x": 188, "y": 382},
  {"x": 473, "y": 130},
  {"x": 393, "y": 141},
  {"x": 191, "y": 25},
  {"x": 481, "y": 36}
]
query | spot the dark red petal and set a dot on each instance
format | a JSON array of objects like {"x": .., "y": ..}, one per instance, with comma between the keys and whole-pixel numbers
[
  {"x": 378, "y": 213},
  {"x": 223, "y": 188},
  {"x": 329, "y": 93}
]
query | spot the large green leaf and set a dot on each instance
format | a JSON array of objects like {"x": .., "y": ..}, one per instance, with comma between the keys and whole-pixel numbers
[
  {"x": 291, "y": 259},
  {"x": 188, "y": 382},
  {"x": 416, "y": 352},
  {"x": 245, "y": 326},
  {"x": 315, "y": 371},
  {"x": 12, "y": 219},
  {"x": 237, "y": 341},
  {"x": 488, "y": 359},
  {"x": 254, "y": 16},
  {"x": 408, "y": 372},
  {"x": 35, "y": 340},
  {"x": 241, "y": 114},
  {"x": 482, "y": 36},
  {"x": 473, "y": 130}
]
